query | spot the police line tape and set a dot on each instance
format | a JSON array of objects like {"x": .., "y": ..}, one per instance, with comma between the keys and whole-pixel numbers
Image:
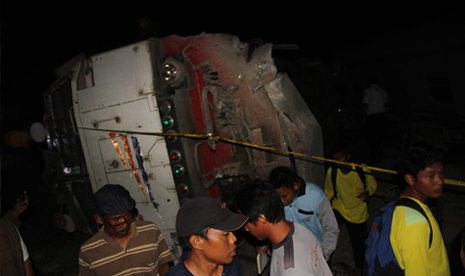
[{"x": 217, "y": 138}]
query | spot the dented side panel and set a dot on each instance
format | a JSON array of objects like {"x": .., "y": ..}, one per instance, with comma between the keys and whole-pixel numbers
[{"x": 245, "y": 86}]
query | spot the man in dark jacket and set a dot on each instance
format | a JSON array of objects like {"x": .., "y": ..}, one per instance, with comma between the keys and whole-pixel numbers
[{"x": 205, "y": 226}]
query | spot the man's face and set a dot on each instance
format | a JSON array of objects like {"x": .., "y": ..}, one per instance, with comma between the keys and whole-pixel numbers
[
  {"x": 255, "y": 228},
  {"x": 119, "y": 225},
  {"x": 144, "y": 23},
  {"x": 220, "y": 247},
  {"x": 287, "y": 195},
  {"x": 342, "y": 157},
  {"x": 429, "y": 182}
]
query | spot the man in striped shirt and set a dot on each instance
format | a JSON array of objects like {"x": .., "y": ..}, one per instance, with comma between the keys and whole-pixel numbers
[{"x": 123, "y": 246}]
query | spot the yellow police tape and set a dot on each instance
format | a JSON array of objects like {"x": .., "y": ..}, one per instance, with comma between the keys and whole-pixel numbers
[{"x": 217, "y": 138}]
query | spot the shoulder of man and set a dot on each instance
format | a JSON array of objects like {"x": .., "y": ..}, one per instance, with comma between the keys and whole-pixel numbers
[
  {"x": 329, "y": 170},
  {"x": 411, "y": 215},
  {"x": 96, "y": 240},
  {"x": 7, "y": 224},
  {"x": 314, "y": 190},
  {"x": 363, "y": 166},
  {"x": 360, "y": 170},
  {"x": 144, "y": 226},
  {"x": 179, "y": 269},
  {"x": 140, "y": 223},
  {"x": 313, "y": 187},
  {"x": 412, "y": 218},
  {"x": 302, "y": 231}
]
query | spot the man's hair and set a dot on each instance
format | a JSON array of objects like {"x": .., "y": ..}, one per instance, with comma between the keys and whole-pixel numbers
[
  {"x": 282, "y": 177},
  {"x": 259, "y": 197},
  {"x": 340, "y": 146},
  {"x": 186, "y": 243},
  {"x": 417, "y": 158},
  {"x": 113, "y": 200},
  {"x": 371, "y": 79}
]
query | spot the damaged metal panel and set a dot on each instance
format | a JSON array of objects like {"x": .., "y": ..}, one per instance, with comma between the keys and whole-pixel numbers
[
  {"x": 300, "y": 127},
  {"x": 240, "y": 96}
]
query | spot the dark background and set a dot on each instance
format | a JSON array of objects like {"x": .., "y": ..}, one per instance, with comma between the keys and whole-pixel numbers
[{"x": 38, "y": 37}]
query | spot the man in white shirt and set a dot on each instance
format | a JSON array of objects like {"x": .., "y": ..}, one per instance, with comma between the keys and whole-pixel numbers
[
  {"x": 374, "y": 103},
  {"x": 296, "y": 251}
]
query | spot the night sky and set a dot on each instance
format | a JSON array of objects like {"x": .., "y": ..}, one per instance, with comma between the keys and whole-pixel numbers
[{"x": 38, "y": 36}]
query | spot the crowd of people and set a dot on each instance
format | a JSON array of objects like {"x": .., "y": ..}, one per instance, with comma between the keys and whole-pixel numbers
[{"x": 300, "y": 221}]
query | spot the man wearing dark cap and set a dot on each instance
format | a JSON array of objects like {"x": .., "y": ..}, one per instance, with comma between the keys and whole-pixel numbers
[
  {"x": 205, "y": 226},
  {"x": 123, "y": 246}
]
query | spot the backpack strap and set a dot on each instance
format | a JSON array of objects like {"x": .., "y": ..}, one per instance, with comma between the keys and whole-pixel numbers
[
  {"x": 412, "y": 204},
  {"x": 333, "y": 179},
  {"x": 361, "y": 174}
]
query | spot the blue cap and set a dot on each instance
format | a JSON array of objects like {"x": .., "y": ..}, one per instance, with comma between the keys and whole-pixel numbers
[{"x": 113, "y": 199}]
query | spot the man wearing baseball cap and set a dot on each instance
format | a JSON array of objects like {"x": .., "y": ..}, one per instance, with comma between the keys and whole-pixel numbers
[
  {"x": 124, "y": 245},
  {"x": 205, "y": 226}
]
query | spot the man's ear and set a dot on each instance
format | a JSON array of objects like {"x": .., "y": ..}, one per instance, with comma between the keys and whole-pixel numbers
[
  {"x": 98, "y": 218},
  {"x": 296, "y": 185},
  {"x": 196, "y": 242},
  {"x": 262, "y": 219},
  {"x": 410, "y": 179}
]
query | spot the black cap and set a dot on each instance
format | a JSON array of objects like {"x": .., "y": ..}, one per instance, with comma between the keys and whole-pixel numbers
[
  {"x": 202, "y": 212},
  {"x": 113, "y": 199}
]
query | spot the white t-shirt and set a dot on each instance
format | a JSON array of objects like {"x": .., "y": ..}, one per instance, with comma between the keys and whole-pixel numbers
[
  {"x": 299, "y": 254},
  {"x": 23, "y": 247},
  {"x": 376, "y": 98}
]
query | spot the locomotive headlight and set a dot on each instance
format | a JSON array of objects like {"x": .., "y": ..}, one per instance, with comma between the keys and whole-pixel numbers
[
  {"x": 169, "y": 72},
  {"x": 172, "y": 71}
]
